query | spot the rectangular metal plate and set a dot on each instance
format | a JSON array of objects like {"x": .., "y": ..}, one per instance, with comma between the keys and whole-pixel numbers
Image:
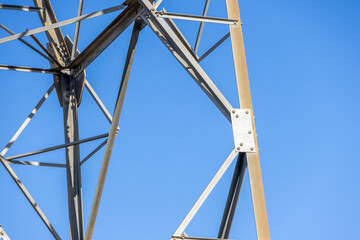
[{"x": 243, "y": 130}]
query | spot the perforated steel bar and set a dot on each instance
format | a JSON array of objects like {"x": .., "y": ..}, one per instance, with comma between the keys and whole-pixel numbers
[
  {"x": 205, "y": 193},
  {"x": 29, "y": 198},
  {"x": 63, "y": 23},
  {"x": 27, "y": 120},
  {"x": 57, "y": 147},
  {"x": 201, "y": 27},
  {"x": 177, "y": 48}
]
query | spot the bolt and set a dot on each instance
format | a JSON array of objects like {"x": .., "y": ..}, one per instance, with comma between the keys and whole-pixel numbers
[
  {"x": 241, "y": 144},
  {"x": 247, "y": 112},
  {"x": 252, "y": 148},
  {"x": 234, "y": 111},
  {"x": 238, "y": 148},
  {"x": 250, "y": 132},
  {"x": 237, "y": 115}
]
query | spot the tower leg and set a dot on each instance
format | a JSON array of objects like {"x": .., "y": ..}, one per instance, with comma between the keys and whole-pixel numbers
[
  {"x": 233, "y": 197},
  {"x": 242, "y": 80},
  {"x": 72, "y": 153}
]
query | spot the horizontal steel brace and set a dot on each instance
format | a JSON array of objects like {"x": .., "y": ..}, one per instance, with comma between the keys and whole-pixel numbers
[
  {"x": 20, "y": 8},
  {"x": 163, "y": 14},
  {"x": 28, "y": 69},
  {"x": 42, "y": 164},
  {"x": 57, "y": 147}
]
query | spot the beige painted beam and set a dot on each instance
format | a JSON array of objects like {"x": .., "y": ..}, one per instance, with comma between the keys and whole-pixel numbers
[{"x": 242, "y": 79}]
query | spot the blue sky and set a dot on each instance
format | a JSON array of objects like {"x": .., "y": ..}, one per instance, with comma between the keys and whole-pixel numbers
[{"x": 303, "y": 61}]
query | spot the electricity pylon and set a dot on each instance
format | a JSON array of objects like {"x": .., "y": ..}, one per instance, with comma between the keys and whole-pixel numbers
[{"x": 68, "y": 65}]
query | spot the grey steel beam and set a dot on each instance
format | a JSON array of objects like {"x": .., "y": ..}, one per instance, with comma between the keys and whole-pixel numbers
[
  {"x": 201, "y": 27},
  {"x": 189, "y": 17},
  {"x": 93, "y": 152},
  {"x": 98, "y": 101},
  {"x": 26, "y": 43},
  {"x": 177, "y": 48},
  {"x": 77, "y": 30},
  {"x": 218, "y": 43},
  {"x": 29, "y": 198},
  {"x": 57, "y": 147},
  {"x": 179, "y": 34},
  {"x": 233, "y": 197},
  {"x": 72, "y": 153},
  {"x": 61, "y": 24},
  {"x": 20, "y": 8},
  {"x": 52, "y": 58},
  {"x": 106, "y": 37},
  {"x": 205, "y": 193},
  {"x": 27, "y": 120},
  {"x": 44, "y": 164},
  {"x": 113, "y": 128},
  {"x": 28, "y": 69}
]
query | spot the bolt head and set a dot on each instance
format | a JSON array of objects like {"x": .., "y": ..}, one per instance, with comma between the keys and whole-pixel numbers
[
  {"x": 237, "y": 115},
  {"x": 249, "y": 131},
  {"x": 234, "y": 111},
  {"x": 247, "y": 112},
  {"x": 238, "y": 148},
  {"x": 241, "y": 144},
  {"x": 252, "y": 148}
]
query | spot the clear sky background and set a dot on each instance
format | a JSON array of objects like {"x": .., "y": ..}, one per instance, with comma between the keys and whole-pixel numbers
[{"x": 303, "y": 61}]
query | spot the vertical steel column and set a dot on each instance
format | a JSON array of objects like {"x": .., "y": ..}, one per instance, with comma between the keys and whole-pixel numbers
[
  {"x": 242, "y": 80},
  {"x": 113, "y": 128},
  {"x": 72, "y": 157},
  {"x": 233, "y": 197}
]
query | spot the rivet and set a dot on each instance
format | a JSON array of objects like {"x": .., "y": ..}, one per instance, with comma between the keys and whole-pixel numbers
[
  {"x": 247, "y": 112},
  {"x": 238, "y": 148},
  {"x": 234, "y": 111},
  {"x": 252, "y": 148},
  {"x": 241, "y": 144},
  {"x": 237, "y": 116},
  {"x": 250, "y": 132}
]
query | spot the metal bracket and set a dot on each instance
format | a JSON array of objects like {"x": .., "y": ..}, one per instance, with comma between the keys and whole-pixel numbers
[{"x": 243, "y": 130}]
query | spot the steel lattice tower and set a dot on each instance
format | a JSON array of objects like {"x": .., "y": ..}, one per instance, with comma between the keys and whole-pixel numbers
[{"x": 68, "y": 67}]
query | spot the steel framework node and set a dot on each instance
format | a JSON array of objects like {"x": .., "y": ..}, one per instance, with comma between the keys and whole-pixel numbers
[{"x": 68, "y": 65}]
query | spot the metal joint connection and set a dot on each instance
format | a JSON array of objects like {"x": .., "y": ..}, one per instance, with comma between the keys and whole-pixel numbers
[{"x": 243, "y": 130}]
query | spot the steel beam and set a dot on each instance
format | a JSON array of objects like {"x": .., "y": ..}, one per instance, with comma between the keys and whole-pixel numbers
[
  {"x": 201, "y": 27},
  {"x": 189, "y": 17},
  {"x": 177, "y": 48},
  {"x": 72, "y": 153},
  {"x": 205, "y": 193},
  {"x": 233, "y": 197},
  {"x": 93, "y": 152},
  {"x": 27, "y": 120},
  {"x": 29, "y": 198},
  {"x": 20, "y": 8},
  {"x": 28, "y": 69},
  {"x": 57, "y": 147},
  {"x": 218, "y": 43},
  {"x": 77, "y": 30},
  {"x": 52, "y": 58},
  {"x": 30, "y": 163},
  {"x": 26, "y": 43},
  {"x": 113, "y": 128},
  {"x": 242, "y": 79},
  {"x": 106, "y": 37},
  {"x": 61, "y": 24}
]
